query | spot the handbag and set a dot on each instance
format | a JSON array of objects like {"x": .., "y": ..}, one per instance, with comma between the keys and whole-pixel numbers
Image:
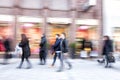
[{"x": 111, "y": 58}]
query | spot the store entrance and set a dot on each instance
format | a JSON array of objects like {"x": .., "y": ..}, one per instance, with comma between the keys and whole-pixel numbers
[
  {"x": 33, "y": 32},
  {"x": 5, "y": 32},
  {"x": 86, "y": 40},
  {"x": 56, "y": 29}
]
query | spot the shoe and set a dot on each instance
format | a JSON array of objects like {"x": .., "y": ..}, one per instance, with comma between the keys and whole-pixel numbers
[
  {"x": 70, "y": 68},
  {"x": 28, "y": 67},
  {"x": 5, "y": 63},
  {"x": 100, "y": 61},
  {"x": 110, "y": 66},
  {"x": 52, "y": 65},
  {"x": 106, "y": 66},
  {"x": 44, "y": 64},
  {"x": 40, "y": 64},
  {"x": 59, "y": 70},
  {"x": 19, "y": 67}
]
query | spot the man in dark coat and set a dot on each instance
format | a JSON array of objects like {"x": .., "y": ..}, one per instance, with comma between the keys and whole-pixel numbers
[
  {"x": 7, "y": 45},
  {"x": 107, "y": 49},
  {"x": 107, "y": 46},
  {"x": 57, "y": 50},
  {"x": 43, "y": 50}
]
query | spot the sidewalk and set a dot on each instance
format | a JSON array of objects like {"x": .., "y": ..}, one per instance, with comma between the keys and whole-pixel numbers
[{"x": 82, "y": 70}]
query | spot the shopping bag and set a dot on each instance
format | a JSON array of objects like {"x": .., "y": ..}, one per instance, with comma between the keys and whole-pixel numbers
[
  {"x": 83, "y": 54},
  {"x": 111, "y": 58}
]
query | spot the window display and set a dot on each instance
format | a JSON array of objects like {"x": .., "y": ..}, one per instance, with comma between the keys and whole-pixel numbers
[
  {"x": 56, "y": 29},
  {"x": 33, "y": 32}
]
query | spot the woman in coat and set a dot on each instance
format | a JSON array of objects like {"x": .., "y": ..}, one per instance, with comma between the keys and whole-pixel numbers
[
  {"x": 43, "y": 50},
  {"x": 24, "y": 44}
]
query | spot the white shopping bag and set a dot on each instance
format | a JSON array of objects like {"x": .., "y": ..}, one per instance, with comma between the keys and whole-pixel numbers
[
  {"x": 83, "y": 54},
  {"x": 18, "y": 51}
]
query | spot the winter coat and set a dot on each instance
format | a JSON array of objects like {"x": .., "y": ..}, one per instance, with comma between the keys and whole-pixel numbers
[
  {"x": 107, "y": 47},
  {"x": 25, "y": 48},
  {"x": 64, "y": 46},
  {"x": 43, "y": 44},
  {"x": 7, "y": 45},
  {"x": 56, "y": 46}
]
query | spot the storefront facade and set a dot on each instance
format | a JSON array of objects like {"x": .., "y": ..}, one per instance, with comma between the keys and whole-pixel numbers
[{"x": 69, "y": 18}]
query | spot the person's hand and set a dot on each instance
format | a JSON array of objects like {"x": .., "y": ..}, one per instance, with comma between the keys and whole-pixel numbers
[{"x": 53, "y": 53}]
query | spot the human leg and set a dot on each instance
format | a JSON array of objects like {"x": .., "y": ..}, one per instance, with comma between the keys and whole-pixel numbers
[
  {"x": 29, "y": 64},
  {"x": 60, "y": 56},
  {"x": 22, "y": 60},
  {"x": 54, "y": 59}
]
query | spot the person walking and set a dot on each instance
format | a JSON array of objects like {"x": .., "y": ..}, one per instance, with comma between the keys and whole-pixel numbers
[
  {"x": 7, "y": 44},
  {"x": 24, "y": 44},
  {"x": 107, "y": 49},
  {"x": 43, "y": 50},
  {"x": 64, "y": 49},
  {"x": 57, "y": 50}
]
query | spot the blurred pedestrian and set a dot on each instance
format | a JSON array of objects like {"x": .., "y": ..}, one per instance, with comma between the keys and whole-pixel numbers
[
  {"x": 8, "y": 48},
  {"x": 107, "y": 50},
  {"x": 24, "y": 44},
  {"x": 64, "y": 49},
  {"x": 43, "y": 50},
  {"x": 57, "y": 50}
]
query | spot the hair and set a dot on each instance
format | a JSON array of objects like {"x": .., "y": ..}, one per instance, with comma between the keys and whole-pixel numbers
[
  {"x": 64, "y": 34},
  {"x": 58, "y": 35},
  {"x": 44, "y": 35},
  {"x": 24, "y": 38},
  {"x": 108, "y": 38}
]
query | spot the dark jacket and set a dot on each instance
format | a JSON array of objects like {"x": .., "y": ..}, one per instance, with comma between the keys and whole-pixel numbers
[
  {"x": 56, "y": 46},
  {"x": 107, "y": 47},
  {"x": 25, "y": 48},
  {"x": 64, "y": 46},
  {"x": 43, "y": 44},
  {"x": 7, "y": 45}
]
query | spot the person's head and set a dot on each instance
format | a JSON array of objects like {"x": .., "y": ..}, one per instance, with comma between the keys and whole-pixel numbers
[
  {"x": 63, "y": 35},
  {"x": 106, "y": 38},
  {"x": 23, "y": 37},
  {"x": 57, "y": 35},
  {"x": 43, "y": 35}
]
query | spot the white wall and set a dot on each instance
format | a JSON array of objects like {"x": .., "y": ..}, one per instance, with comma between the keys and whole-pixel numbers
[
  {"x": 32, "y": 4},
  {"x": 59, "y": 4},
  {"x": 111, "y": 15},
  {"x": 6, "y": 3}
]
